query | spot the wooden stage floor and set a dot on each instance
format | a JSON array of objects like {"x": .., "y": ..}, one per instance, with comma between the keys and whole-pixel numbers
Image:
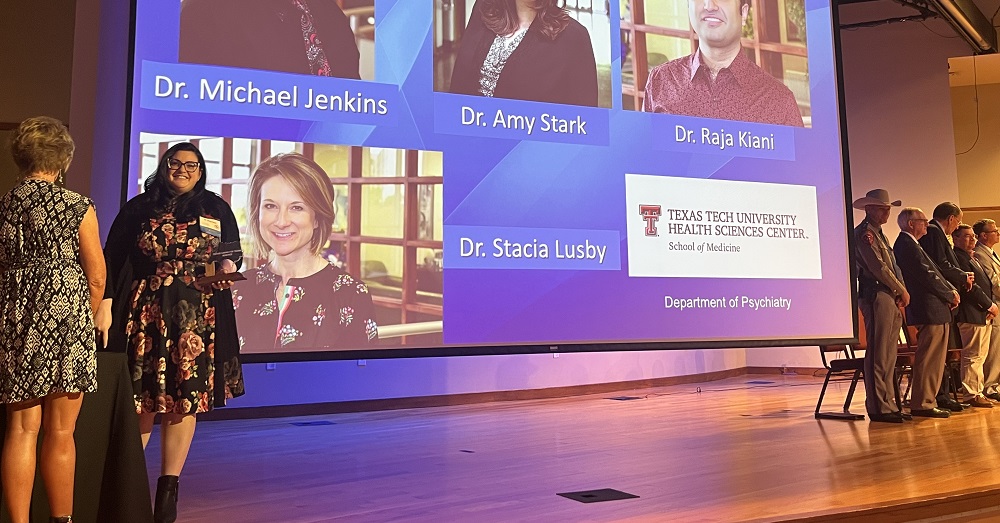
[{"x": 738, "y": 450}]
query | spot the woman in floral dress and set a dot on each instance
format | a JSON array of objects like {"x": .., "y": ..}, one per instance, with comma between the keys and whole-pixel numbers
[{"x": 180, "y": 335}]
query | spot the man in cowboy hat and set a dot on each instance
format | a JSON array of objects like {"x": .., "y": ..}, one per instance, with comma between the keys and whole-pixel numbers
[{"x": 880, "y": 294}]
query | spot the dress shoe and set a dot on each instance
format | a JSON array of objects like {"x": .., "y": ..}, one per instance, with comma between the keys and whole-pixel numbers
[
  {"x": 905, "y": 416},
  {"x": 951, "y": 405},
  {"x": 995, "y": 396},
  {"x": 892, "y": 417},
  {"x": 930, "y": 413},
  {"x": 981, "y": 402}
]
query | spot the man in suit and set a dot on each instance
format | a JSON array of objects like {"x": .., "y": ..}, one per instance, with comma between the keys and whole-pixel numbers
[
  {"x": 937, "y": 244},
  {"x": 974, "y": 314},
  {"x": 987, "y": 235},
  {"x": 932, "y": 299},
  {"x": 880, "y": 294}
]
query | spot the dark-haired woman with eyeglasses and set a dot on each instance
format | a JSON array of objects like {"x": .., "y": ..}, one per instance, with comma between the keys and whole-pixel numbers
[
  {"x": 180, "y": 335},
  {"x": 526, "y": 50}
]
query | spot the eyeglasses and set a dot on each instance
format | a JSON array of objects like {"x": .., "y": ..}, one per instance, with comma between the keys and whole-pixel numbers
[
  {"x": 921, "y": 220},
  {"x": 190, "y": 167},
  {"x": 990, "y": 232}
]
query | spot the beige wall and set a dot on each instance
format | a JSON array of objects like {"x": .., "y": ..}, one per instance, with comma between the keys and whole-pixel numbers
[
  {"x": 977, "y": 136},
  {"x": 36, "y": 39},
  {"x": 36, "y": 62}
]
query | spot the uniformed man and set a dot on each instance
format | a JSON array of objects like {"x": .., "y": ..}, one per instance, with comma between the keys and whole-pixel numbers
[{"x": 880, "y": 294}]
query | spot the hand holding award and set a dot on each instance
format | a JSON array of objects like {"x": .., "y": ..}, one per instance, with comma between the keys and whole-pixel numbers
[{"x": 226, "y": 274}]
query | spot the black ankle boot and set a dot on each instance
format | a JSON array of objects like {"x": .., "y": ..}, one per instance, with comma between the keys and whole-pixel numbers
[
  {"x": 61, "y": 519},
  {"x": 165, "y": 509}
]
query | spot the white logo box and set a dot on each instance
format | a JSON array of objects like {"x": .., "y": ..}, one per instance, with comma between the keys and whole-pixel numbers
[{"x": 763, "y": 230}]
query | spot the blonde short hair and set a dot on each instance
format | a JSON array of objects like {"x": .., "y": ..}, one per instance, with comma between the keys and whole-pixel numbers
[
  {"x": 309, "y": 180},
  {"x": 42, "y": 144}
]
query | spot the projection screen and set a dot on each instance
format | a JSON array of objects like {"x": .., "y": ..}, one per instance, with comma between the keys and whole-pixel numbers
[{"x": 425, "y": 178}]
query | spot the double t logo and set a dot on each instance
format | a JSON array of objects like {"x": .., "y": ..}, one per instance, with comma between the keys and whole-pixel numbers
[{"x": 650, "y": 213}]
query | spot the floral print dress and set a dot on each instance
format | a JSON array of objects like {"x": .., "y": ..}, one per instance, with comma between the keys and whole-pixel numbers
[
  {"x": 324, "y": 310},
  {"x": 171, "y": 331}
]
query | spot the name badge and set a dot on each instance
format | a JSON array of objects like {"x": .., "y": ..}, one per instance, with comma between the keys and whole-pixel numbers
[{"x": 210, "y": 226}]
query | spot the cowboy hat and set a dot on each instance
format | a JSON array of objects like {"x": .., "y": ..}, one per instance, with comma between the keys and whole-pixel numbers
[{"x": 878, "y": 197}]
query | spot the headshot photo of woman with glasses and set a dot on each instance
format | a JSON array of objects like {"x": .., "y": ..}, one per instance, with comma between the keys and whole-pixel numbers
[
  {"x": 180, "y": 334},
  {"x": 297, "y": 300}
]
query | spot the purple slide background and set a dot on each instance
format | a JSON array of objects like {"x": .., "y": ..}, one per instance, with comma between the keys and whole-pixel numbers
[{"x": 504, "y": 183}]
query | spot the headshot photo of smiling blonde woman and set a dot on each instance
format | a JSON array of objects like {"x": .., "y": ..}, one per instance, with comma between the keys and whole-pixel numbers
[{"x": 298, "y": 298}]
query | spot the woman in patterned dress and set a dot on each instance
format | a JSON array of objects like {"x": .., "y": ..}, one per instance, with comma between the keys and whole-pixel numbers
[
  {"x": 51, "y": 282},
  {"x": 297, "y": 301},
  {"x": 180, "y": 335},
  {"x": 526, "y": 50}
]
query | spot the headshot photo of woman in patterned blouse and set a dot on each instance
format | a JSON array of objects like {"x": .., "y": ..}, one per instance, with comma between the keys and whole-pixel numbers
[
  {"x": 535, "y": 50},
  {"x": 312, "y": 37},
  {"x": 297, "y": 300}
]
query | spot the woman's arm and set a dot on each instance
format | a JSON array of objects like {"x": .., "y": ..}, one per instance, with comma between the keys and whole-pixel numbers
[{"x": 92, "y": 261}]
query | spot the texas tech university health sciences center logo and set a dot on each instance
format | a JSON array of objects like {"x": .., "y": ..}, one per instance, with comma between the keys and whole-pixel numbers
[{"x": 650, "y": 213}]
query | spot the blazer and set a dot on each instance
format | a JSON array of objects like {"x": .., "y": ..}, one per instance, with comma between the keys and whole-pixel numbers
[
  {"x": 937, "y": 246},
  {"x": 561, "y": 71},
  {"x": 991, "y": 266},
  {"x": 265, "y": 34},
  {"x": 930, "y": 292},
  {"x": 976, "y": 301}
]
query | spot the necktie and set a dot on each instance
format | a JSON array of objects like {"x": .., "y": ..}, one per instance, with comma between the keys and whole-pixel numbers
[{"x": 318, "y": 63}]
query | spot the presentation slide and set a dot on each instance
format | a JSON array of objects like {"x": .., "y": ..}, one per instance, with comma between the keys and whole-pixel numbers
[{"x": 435, "y": 177}]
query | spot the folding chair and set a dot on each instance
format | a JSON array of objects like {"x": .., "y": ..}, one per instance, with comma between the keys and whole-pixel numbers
[
  {"x": 846, "y": 367},
  {"x": 906, "y": 354}
]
